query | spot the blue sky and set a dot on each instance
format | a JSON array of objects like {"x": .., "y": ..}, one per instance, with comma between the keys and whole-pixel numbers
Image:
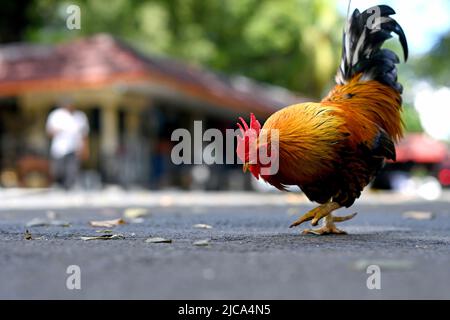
[{"x": 422, "y": 20}]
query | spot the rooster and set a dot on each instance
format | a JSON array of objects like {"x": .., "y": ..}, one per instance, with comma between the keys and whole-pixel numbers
[{"x": 334, "y": 148}]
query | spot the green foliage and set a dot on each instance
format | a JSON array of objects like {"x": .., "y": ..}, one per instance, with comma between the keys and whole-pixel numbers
[
  {"x": 292, "y": 43},
  {"x": 436, "y": 64},
  {"x": 411, "y": 119}
]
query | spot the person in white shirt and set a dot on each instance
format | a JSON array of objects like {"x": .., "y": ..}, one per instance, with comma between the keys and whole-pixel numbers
[{"x": 68, "y": 128}]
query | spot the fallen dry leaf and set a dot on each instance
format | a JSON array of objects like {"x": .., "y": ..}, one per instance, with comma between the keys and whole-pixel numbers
[
  {"x": 107, "y": 223},
  {"x": 104, "y": 237},
  {"x": 38, "y": 222},
  {"x": 27, "y": 235},
  {"x": 134, "y": 213},
  {"x": 201, "y": 243},
  {"x": 158, "y": 240},
  {"x": 59, "y": 223},
  {"x": 202, "y": 226},
  {"x": 418, "y": 215},
  {"x": 104, "y": 231}
]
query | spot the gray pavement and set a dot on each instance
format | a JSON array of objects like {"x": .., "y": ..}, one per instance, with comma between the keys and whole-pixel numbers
[{"x": 252, "y": 253}]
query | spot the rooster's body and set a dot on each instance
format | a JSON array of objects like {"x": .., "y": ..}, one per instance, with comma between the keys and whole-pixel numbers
[{"x": 334, "y": 148}]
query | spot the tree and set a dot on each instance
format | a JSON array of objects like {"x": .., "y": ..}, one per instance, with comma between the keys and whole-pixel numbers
[
  {"x": 14, "y": 20},
  {"x": 435, "y": 65},
  {"x": 291, "y": 43},
  {"x": 411, "y": 119}
]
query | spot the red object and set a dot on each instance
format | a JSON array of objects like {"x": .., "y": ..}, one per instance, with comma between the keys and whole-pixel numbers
[
  {"x": 421, "y": 148},
  {"x": 444, "y": 177}
]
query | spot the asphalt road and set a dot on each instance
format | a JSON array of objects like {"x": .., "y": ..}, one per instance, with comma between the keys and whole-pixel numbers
[{"x": 252, "y": 255}]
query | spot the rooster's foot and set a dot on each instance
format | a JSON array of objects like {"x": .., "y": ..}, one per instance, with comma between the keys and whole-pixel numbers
[
  {"x": 324, "y": 230},
  {"x": 329, "y": 226},
  {"x": 316, "y": 214}
]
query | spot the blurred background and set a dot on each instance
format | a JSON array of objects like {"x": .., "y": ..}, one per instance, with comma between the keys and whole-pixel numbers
[{"x": 141, "y": 69}]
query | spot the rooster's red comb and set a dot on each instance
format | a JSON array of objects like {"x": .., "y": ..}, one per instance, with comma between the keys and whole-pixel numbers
[
  {"x": 254, "y": 124},
  {"x": 249, "y": 137}
]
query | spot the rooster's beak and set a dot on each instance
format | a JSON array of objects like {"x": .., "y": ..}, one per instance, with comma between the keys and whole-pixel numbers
[{"x": 245, "y": 167}]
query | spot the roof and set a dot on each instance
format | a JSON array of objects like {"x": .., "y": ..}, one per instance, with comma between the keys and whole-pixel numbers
[{"x": 103, "y": 60}]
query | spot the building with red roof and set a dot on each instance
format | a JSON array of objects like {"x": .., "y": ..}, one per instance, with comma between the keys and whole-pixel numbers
[{"x": 133, "y": 103}]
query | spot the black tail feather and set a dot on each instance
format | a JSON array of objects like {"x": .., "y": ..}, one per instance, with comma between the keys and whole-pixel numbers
[{"x": 363, "y": 37}]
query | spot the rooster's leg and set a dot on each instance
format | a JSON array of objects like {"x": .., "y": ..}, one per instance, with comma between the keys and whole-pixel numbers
[
  {"x": 318, "y": 213},
  {"x": 328, "y": 225}
]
